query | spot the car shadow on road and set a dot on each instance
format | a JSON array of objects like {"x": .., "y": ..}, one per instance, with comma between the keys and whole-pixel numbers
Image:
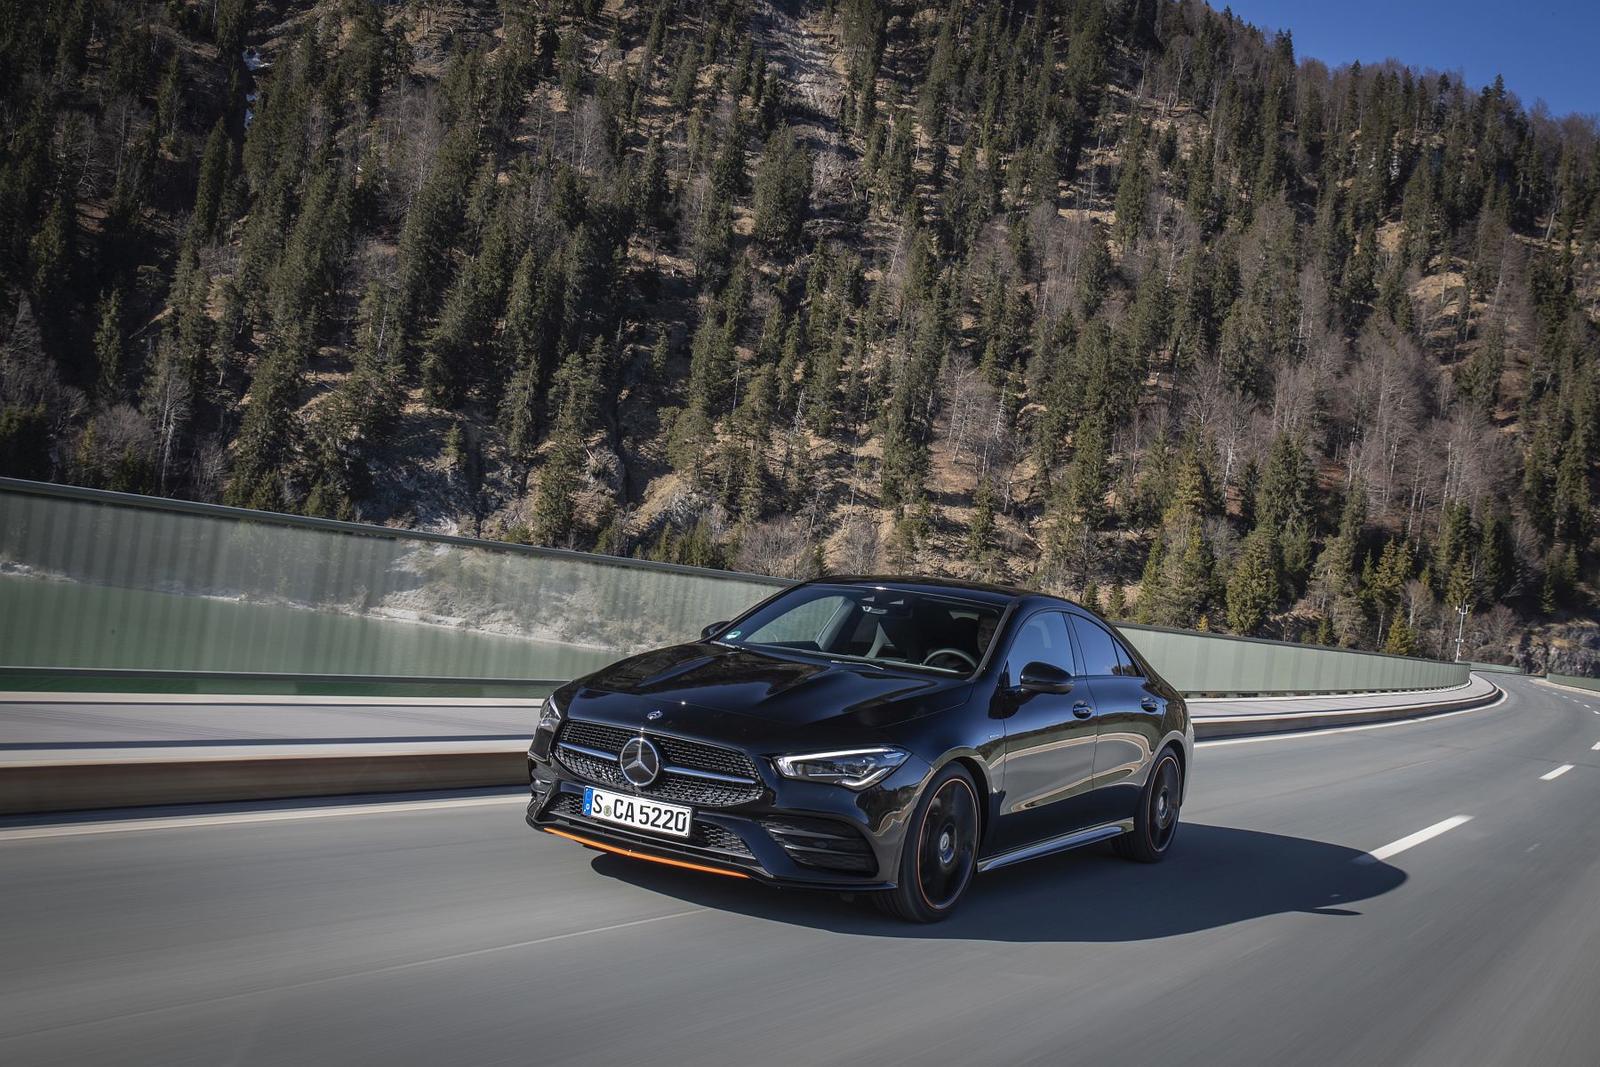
[{"x": 1214, "y": 876}]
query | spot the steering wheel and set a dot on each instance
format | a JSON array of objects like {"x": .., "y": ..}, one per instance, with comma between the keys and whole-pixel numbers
[{"x": 927, "y": 661}]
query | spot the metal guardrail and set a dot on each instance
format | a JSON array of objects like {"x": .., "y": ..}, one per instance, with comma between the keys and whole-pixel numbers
[{"x": 95, "y": 580}]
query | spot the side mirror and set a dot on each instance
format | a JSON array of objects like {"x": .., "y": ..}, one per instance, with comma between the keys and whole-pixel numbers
[
  {"x": 1040, "y": 677},
  {"x": 715, "y": 628}
]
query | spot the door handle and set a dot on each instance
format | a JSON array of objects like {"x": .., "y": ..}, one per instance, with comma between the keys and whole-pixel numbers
[
  {"x": 1149, "y": 704},
  {"x": 1081, "y": 710}
]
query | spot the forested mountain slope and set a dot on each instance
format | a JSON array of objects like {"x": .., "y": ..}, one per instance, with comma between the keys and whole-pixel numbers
[{"x": 1112, "y": 297}]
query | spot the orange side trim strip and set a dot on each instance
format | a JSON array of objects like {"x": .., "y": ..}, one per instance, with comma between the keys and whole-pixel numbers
[{"x": 643, "y": 856}]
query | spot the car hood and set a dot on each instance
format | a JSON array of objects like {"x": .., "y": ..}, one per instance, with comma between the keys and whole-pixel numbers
[{"x": 778, "y": 690}]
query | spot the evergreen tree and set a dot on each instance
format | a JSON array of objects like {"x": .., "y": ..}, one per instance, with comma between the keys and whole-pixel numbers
[
  {"x": 214, "y": 165},
  {"x": 1116, "y": 602},
  {"x": 981, "y": 529},
  {"x": 1401, "y": 640},
  {"x": 264, "y": 447},
  {"x": 1189, "y": 583},
  {"x": 108, "y": 348},
  {"x": 555, "y": 501},
  {"x": 430, "y": 228},
  {"x": 1253, "y": 588},
  {"x": 782, "y": 190}
]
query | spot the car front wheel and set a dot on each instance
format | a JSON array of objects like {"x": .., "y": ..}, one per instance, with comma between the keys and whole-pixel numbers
[{"x": 940, "y": 851}]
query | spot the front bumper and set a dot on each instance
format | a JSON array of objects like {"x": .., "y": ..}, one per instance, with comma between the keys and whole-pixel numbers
[{"x": 798, "y": 834}]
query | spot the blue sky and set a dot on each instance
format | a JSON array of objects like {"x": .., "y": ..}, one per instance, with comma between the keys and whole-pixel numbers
[{"x": 1545, "y": 49}]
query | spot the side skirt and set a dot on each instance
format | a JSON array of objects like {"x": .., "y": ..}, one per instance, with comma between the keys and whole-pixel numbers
[{"x": 1076, "y": 839}]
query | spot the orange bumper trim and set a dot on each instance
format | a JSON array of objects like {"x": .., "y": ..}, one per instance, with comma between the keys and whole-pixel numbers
[{"x": 643, "y": 855}]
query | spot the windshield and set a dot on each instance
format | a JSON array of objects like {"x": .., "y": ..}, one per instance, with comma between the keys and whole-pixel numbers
[{"x": 887, "y": 627}]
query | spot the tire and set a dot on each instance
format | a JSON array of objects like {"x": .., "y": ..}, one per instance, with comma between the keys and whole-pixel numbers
[
  {"x": 1155, "y": 825},
  {"x": 940, "y": 853}
]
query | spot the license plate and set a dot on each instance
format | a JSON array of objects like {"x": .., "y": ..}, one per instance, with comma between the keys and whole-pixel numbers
[{"x": 637, "y": 812}]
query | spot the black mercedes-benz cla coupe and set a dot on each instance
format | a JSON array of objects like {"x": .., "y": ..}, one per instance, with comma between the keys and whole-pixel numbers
[{"x": 884, "y": 735}]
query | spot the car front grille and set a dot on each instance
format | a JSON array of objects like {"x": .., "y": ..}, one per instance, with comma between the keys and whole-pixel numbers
[
  {"x": 702, "y": 834},
  {"x": 693, "y": 772}
]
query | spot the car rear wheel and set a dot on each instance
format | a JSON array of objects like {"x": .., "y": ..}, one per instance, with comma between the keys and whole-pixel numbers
[
  {"x": 940, "y": 851},
  {"x": 1156, "y": 823}
]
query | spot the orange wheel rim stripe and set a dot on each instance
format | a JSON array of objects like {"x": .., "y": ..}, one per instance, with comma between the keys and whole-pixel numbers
[{"x": 686, "y": 865}]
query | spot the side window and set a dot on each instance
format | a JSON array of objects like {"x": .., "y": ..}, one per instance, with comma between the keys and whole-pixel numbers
[
  {"x": 1126, "y": 664},
  {"x": 1099, "y": 648},
  {"x": 1043, "y": 638}
]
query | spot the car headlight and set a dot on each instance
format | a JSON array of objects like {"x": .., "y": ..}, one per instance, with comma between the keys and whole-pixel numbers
[{"x": 854, "y": 768}]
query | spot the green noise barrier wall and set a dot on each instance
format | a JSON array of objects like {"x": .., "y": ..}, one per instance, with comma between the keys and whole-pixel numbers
[{"x": 100, "y": 581}]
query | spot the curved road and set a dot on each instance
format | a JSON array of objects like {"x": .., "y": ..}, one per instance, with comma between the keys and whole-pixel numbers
[{"x": 1424, "y": 892}]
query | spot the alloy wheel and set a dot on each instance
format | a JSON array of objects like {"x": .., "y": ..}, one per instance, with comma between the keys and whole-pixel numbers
[
  {"x": 947, "y": 844},
  {"x": 1166, "y": 796}
]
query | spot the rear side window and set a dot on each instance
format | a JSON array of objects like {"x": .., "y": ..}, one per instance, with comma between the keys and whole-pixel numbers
[
  {"x": 1126, "y": 664},
  {"x": 1100, "y": 649},
  {"x": 1041, "y": 639}
]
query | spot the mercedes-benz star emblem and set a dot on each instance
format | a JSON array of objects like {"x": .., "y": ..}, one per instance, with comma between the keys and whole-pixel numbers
[
  {"x": 654, "y": 715},
  {"x": 640, "y": 761}
]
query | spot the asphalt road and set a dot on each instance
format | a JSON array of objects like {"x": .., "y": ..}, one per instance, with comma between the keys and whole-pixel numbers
[{"x": 1288, "y": 926}]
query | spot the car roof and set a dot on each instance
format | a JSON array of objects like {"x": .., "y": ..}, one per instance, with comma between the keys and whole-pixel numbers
[{"x": 930, "y": 584}]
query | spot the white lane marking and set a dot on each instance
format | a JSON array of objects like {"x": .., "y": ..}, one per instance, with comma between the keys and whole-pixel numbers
[
  {"x": 1300, "y": 735},
  {"x": 1394, "y": 848},
  {"x": 185, "y": 822},
  {"x": 1596, "y": 747},
  {"x": 1557, "y": 773}
]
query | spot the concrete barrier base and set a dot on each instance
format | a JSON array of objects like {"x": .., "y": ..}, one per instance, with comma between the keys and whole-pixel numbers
[
  {"x": 1221, "y": 726},
  {"x": 35, "y": 786}
]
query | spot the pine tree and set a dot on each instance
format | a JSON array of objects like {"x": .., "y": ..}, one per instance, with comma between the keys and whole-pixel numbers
[
  {"x": 1081, "y": 509},
  {"x": 263, "y": 448},
  {"x": 712, "y": 249},
  {"x": 782, "y": 190},
  {"x": 1151, "y": 588},
  {"x": 51, "y": 254},
  {"x": 980, "y": 530},
  {"x": 214, "y": 165},
  {"x": 1402, "y": 640},
  {"x": 907, "y": 420},
  {"x": 1133, "y": 189},
  {"x": 430, "y": 228},
  {"x": 1094, "y": 272},
  {"x": 555, "y": 501},
  {"x": 1116, "y": 602},
  {"x": 1286, "y": 485},
  {"x": 1188, "y": 585},
  {"x": 1389, "y": 579},
  {"x": 1480, "y": 377},
  {"x": 1253, "y": 588},
  {"x": 108, "y": 348},
  {"x": 651, "y": 191}
]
